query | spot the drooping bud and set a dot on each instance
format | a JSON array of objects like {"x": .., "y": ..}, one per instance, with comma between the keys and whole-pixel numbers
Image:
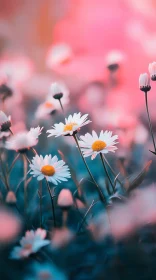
[
  {"x": 152, "y": 70},
  {"x": 11, "y": 198},
  {"x": 56, "y": 91},
  {"x": 65, "y": 199},
  {"x": 144, "y": 82}
]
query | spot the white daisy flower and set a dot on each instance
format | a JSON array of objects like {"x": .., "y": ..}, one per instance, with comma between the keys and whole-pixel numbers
[
  {"x": 5, "y": 122},
  {"x": 49, "y": 167},
  {"x": 45, "y": 109},
  {"x": 59, "y": 90},
  {"x": 35, "y": 132},
  {"x": 71, "y": 126},
  {"x": 21, "y": 142},
  {"x": 31, "y": 243},
  {"x": 92, "y": 145},
  {"x": 144, "y": 82}
]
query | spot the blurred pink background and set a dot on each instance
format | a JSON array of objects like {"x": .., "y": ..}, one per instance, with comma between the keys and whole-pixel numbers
[{"x": 70, "y": 40}]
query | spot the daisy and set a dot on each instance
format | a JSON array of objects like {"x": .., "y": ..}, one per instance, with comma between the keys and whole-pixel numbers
[
  {"x": 49, "y": 167},
  {"x": 92, "y": 145},
  {"x": 5, "y": 122},
  {"x": 21, "y": 142},
  {"x": 144, "y": 82},
  {"x": 31, "y": 243},
  {"x": 71, "y": 126},
  {"x": 35, "y": 132}
]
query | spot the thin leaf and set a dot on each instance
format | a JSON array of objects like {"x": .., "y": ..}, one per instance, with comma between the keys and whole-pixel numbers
[{"x": 138, "y": 179}]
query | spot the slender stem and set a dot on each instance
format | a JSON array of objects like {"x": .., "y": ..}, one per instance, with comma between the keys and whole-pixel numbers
[
  {"x": 4, "y": 173},
  {"x": 52, "y": 202},
  {"x": 25, "y": 183},
  {"x": 13, "y": 163},
  {"x": 149, "y": 120},
  {"x": 65, "y": 216},
  {"x": 87, "y": 212},
  {"x": 61, "y": 105},
  {"x": 113, "y": 172},
  {"x": 34, "y": 151},
  {"x": 101, "y": 195},
  {"x": 104, "y": 166},
  {"x": 40, "y": 198}
]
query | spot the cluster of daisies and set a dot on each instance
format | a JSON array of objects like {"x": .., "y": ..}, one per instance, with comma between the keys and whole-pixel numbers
[{"x": 50, "y": 168}]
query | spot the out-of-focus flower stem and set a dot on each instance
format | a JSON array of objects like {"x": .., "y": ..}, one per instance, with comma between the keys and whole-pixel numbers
[
  {"x": 13, "y": 163},
  {"x": 149, "y": 120},
  {"x": 25, "y": 183},
  {"x": 4, "y": 172},
  {"x": 40, "y": 198},
  {"x": 101, "y": 195},
  {"x": 52, "y": 202},
  {"x": 61, "y": 105},
  {"x": 87, "y": 212},
  {"x": 109, "y": 178},
  {"x": 113, "y": 172}
]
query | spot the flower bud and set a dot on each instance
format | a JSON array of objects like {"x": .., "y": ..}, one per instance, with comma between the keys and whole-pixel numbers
[
  {"x": 152, "y": 70},
  {"x": 11, "y": 198},
  {"x": 144, "y": 82},
  {"x": 56, "y": 91},
  {"x": 65, "y": 199}
]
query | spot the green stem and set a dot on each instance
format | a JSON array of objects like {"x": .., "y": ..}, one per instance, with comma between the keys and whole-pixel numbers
[
  {"x": 13, "y": 163},
  {"x": 101, "y": 195},
  {"x": 61, "y": 105},
  {"x": 104, "y": 166},
  {"x": 40, "y": 198},
  {"x": 4, "y": 173},
  {"x": 84, "y": 218},
  {"x": 25, "y": 182},
  {"x": 150, "y": 123},
  {"x": 52, "y": 202},
  {"x": 113, "y": 172}
]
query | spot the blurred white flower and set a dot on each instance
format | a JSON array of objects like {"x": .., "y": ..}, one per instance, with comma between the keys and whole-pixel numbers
[
  {"x": 49, "y": 167},
  {"x": 5, "y": 122},
  {"x": 114, "y": 59},
  {"x": 35, "y": 132},
  {"x": 21, "y": 142},
  {"x": 4, "y": 134},
  {"x": 59, "y": 54},
  {"x": 92, "y": 145},
  {"x": 46, "y": 109},
  {"x": 32, "y": 242},
  {"x": 152, "y": 71},
  {"x": 144, "y": 82},
  {"x": 65, "y": 198},
  {"x": 71, "y": 126}
]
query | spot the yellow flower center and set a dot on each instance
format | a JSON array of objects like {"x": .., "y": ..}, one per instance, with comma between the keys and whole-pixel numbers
[
  {"x": 98, "y": 145},
  {"x": 69, "y": 126},
  {"x": 48, "y": 105},
  {"x": 48, "y": 170}
]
